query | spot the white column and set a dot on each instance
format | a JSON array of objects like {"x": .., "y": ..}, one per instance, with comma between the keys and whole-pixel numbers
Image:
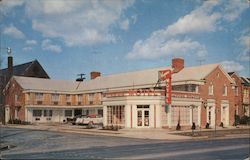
[
  {"x": 158, "y": 115},
  {"x": 105, "y": 114},
  {"x": 169, "y": 116},
  {"x": 127, "y": 116},
  {"x": 134, "y": 116},
  {"x": 7, "y": 114},
  {"x": 151, "y": 116},
  {"x": 199, "y": 116}
]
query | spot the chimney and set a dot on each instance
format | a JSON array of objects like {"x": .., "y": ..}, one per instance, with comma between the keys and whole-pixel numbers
[
  {"x": 10, "y": 66},
  {"x": 177, "y": 64},
  {"x": 94, "y": 74}
]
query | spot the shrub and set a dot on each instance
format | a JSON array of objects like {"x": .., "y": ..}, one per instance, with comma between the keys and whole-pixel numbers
[
  {"x": 245, "y": 120},
  {"x": 193, "y": 126},
  {"x": 236, "y": 120},
  {"x": 207, "y": 126},
  {"x": 178, "y": 127},
  {"x": 222, "y": 125}
]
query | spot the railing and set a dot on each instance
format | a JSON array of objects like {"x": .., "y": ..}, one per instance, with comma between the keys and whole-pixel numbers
[
  {"x": 138, "y": 92},
  {"x": 179, "y": 94}
]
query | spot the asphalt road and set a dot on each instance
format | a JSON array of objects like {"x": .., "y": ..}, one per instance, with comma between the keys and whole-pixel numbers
[{"x": 33, "y": 144}]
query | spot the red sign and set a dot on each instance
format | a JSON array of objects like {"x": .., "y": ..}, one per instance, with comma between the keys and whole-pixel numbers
[{"x": 166, "y": 75}]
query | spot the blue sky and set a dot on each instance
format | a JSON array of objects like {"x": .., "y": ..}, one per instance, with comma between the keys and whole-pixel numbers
[{"x": 69, "y": 37}]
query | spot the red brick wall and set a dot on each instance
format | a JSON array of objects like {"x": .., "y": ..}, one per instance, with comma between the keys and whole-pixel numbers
[
  {"x": 12, "y": 90},
  {"x": 238, "y": 99},
  {"x": 218, "y": 79}
]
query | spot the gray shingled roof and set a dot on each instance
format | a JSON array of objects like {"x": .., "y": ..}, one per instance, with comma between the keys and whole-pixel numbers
[{"x": 136, "y": 79}]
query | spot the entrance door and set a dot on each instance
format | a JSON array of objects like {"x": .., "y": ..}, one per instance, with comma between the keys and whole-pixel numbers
[
  {"x": 143, "y": 117},
  {"x": 211, "y": 116},
  {"x": 225, "y": 115}
]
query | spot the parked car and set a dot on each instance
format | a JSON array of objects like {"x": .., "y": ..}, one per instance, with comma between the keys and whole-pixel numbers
[
  {"x": 73, "y": 120},
  {"x": 90, "y": 120}
]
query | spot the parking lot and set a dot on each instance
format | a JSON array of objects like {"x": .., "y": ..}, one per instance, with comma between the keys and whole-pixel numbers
[{"x": 46, "y": 145}]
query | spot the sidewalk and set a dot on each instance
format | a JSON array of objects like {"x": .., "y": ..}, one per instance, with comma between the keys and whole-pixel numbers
[{"x": 158, "y": 134}]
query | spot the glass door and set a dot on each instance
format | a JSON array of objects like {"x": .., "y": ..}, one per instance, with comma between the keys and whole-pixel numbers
[{"x": 143, "y": 117}]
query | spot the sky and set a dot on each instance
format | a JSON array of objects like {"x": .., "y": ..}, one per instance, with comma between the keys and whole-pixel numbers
[{"x": 69, "y": 37}]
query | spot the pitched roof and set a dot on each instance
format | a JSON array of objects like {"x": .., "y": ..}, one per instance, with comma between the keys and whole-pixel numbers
[
  {"x": 245, "y": 81},
  {"x": 136, "y": 79},
  {"x": 231, "y": 73},
  {"x": 19, "y": 70}
]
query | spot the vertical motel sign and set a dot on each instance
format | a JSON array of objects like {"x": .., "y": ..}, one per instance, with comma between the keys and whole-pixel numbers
[{"x": 166, "y": 75}]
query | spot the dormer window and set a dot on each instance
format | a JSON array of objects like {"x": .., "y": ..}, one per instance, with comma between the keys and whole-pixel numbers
[{"x": 211, "y": 89}]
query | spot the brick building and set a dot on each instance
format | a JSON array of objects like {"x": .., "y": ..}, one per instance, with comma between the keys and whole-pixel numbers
[
  {"x": 242, "y": 94},
  {"x": 200, "y": 94},
  {"x": 30, "y": 69}
]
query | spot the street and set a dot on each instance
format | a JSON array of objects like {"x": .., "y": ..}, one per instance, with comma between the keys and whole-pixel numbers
[{"x": 34, "y": 144}]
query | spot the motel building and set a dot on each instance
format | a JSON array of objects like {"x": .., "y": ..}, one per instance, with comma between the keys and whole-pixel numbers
[{"x": 151, "y": 98}]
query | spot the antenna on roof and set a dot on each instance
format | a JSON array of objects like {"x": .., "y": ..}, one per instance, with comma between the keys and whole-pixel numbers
[{"x": 81, "y": 77}]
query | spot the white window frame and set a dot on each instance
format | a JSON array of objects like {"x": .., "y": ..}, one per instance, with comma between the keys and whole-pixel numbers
[
  {"x": 39, "y": 96},
  {"x": 211, "y": 89},
  {"x": 225, "y": 90},
  {"x": 55, "y": 97}
]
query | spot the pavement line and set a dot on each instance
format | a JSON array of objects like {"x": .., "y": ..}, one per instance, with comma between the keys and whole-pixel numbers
[{"x": 179, "y": 153}]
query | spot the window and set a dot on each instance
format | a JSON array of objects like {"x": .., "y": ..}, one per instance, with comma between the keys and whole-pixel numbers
[
  {"x": 39, "y": 96},
  {"x": 225, "y": 90},
  {"x": 79, "y": 99},
  {"x": 186, "y": 88},
  {"x": 47, "y": 113},
  {"x": 91, "y": 98},
  {"x": 236, "y": 91},
  {"x": 115, "y": 115},
  {"x": 100, "y": 112},
  {"x": 55, "y": 97},
  {"x": 68, "y": 97},
  {"x": 37, "y": 113},
  {"x": 28, "y": 97},
  {"x": 211, "y": 89},
  {"x": 68, "y": 113}
]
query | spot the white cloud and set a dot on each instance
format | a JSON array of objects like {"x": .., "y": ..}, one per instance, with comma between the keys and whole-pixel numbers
[
  {"x": 14, "y": 32},
  {"x": 245, "y": 51},
  {"x": 232, "y": 66},
  {"x": 27, "y": 48},
  {"x": 124, "y": 24},
  {"x": 81, "y": 22},
  {"x": 203, "y": 19},
  {"x": 199, "y": 20},
  {"x": 152, "y": 49},
  {"x": 7, "y": 5},
  {"x": 48, "y": 46},
  {"x": 234, "y": 8},
  {"x": 31, "y": 42}
]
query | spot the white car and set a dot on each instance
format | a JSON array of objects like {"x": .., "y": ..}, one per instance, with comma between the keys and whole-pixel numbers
[{"x": 89, "y": 120}]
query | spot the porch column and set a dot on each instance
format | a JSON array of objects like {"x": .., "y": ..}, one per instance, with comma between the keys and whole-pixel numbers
[
  {"x": 105, "y": 116},
  {"x": 128, "y": 116},
  {"x": 199, "y": 116}
]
